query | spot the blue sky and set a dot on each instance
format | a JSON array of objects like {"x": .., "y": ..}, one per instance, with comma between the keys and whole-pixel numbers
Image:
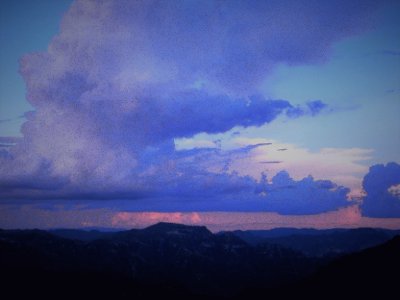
[
  {"x": 25, "y": 26},
  {"x": 225, "y": 104},
  {"x": 362, "y": 79}
]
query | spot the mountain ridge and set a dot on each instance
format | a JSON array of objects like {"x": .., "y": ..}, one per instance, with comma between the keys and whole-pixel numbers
[{"x": 164, "y": 259}]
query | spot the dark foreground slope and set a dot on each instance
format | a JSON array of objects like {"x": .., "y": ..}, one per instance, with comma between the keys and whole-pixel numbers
[
  {"x": 371, "y": 273},
  {"x": 169, "y": 260}
]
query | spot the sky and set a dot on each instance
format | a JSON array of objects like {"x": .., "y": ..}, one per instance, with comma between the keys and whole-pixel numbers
[{"x": 230, "y": 114}]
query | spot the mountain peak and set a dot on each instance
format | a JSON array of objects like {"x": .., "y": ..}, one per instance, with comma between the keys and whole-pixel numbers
[{"x": 165, "y": 227}]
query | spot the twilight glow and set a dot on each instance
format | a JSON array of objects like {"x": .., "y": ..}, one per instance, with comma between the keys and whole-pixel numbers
[{"x": 231, "y": 114}]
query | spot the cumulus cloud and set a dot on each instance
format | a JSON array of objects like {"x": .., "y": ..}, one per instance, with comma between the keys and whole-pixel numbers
[
  {"x": 222, "y": 43},
  {"x": 306, "y": 196},
  {"x": 123, "y": 79},
  {"x": 381, "y": 185}
]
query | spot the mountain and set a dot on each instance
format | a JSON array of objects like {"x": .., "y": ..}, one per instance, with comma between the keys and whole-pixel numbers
[
  {"x": 82, "y": 235},
  {"x": 173, "y": 260},
  {"x": 284, "y": 232},
  {"x": 370, "y": 273},
  {"x": 163, "y": 259},
  {"x": 319, "y": 243}
]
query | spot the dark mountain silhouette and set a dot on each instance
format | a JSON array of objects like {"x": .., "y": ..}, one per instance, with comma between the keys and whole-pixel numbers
[
  {"x": 169, "y": 259},
  {"x": 282, "y": 232},
  {"x": 371, "y": 273},
  {"x": 163, "y": 260},
  {"x": 82, "y": 235},
  {"x": 319, "y": 243}
]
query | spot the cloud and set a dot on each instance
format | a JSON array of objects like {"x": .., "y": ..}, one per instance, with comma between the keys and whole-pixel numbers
[
  {"x": 9, "y": 139},
  {"x": 124, "y": 79},
  {"x": 341, "y": 165},
  {"x": 381, "y": 185},
  {"x": 270, "y": 162},
  {"x": 33, "y": 216},
  {"x": 129, "y": 219},
  {"x": 200, "y": 112},
  {"x": 218, "y": 43},
  {"x": 205, "y": 192},
  {"x": 394, "y": 190},
  {"x": 306, "y": 196},
  {"x": 313, "y": 108}
]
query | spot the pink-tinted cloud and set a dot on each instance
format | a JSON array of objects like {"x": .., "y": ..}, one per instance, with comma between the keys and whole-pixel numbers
[
  {"x": 33, "y": 217},
  {"x": 129, "y": 219}
]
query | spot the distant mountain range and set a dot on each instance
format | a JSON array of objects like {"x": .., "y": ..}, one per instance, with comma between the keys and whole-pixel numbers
[
  {"x": 319, "y": 243},
  {"x": 173, "y": 260}
]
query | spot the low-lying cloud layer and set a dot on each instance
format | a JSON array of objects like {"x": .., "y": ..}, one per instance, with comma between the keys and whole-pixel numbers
[{"x": 123, "y": 79}]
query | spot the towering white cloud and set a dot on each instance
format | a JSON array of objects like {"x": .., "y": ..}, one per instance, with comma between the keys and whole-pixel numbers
[{"x": 124, "y": 78}]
